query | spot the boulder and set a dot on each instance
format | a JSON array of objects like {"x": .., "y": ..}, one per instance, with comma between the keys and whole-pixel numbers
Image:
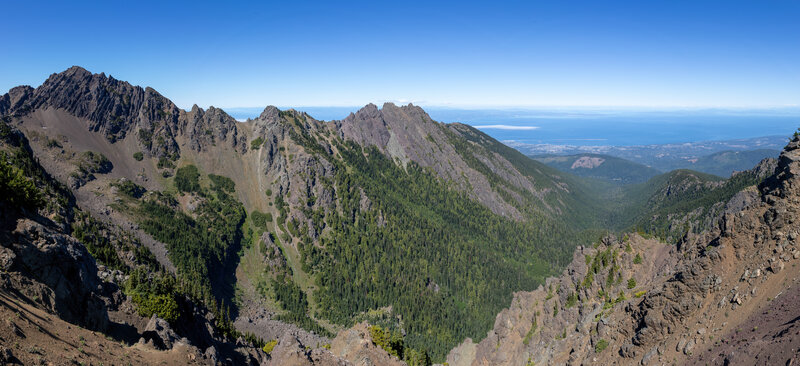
[
  {"x": 160, "y": 335},
  {"x": 211, "y": 355}
]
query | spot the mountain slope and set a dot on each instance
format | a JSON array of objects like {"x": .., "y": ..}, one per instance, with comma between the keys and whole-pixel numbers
[
  {"x": 637, "y": 301},
  {"x": 725, "y": 163},
  {"x": 320, "y": 223},
  {"x": 598, "y": 166},
  {"x": 672, "y": 204}
]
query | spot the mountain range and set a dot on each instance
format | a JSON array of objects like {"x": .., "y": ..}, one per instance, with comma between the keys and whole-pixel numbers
[
  {"x": 382, "y": 238},
  {"x": 721, "y": 158}
]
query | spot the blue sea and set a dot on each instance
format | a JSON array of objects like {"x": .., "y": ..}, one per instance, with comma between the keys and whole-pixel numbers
[{"x": 598, "y": 127}]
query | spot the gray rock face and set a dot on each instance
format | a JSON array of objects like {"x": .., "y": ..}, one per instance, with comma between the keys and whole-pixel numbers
[
  {"x": 159, "y": 334},
  {"x": 63, "y": 265},
  {"x": 211, "y": 355},
  {"x": 204, "y": 129},
  {"x": 116, "y": 109},
  {"x": 408, "y": 134}
]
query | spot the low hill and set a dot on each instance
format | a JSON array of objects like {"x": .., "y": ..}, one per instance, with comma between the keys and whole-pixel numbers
[
  {"x": 681, "y": 201},
  {"x": 725, "y": 163},
  {"x": 599, "y": 166}
]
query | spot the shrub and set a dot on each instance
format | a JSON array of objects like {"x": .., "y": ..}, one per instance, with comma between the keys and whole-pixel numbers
[
  {"x": 138, "y": 156},
  {"x": 531, "y": 332},
  {"x": 637, "y": 259},
  {"x": 571, "y": 300},
  {"x": 129, "y": 188},
  {"x": 52, "y": 143},
  {"x": 222, "y": 183},
  {"x": 601, "y": 345},
  {"x": 631, "y": 283},
  {"x": 270, "y": 346},
  {"x": 391, "y": 342},
  {"x": 164, "y": 306},
  {"x": 16, "y": 189},
  {"x": 92, "y": 162},
  {"x": 187, "y": 179},
  {"x": 255, "y": 144},
  {"x": 164, "y": 163},
  {"x": 639, "y": 294},
  {"x": 415, "y": 357},
  {"x": 261, "y": 219}
]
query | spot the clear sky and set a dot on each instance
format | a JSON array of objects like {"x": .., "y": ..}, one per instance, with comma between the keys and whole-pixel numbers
[{"x": 492, "y": 53}]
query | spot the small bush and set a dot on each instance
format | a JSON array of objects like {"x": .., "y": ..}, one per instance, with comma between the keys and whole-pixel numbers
[
  {"x": 571, "y": 300},
  {"x": 16, "y": 189},
  {"x": 222, "y": 183},
  {"x": 52, "y": 143},
  {"x": 631, "y": 283},
  {"x": 164, "y": 163},
  {"x": 637, "y": 259},
  {"x": 270, "y": 346},
  {"x": 261, "y": 219},
  {"x": 601, "y": 345},
  {"x": 255, "y": 144},
  {"x": 531, "y": 332},
  {"x": 129, "y": 188},
  {"x": 92, "y": 162},
  {"x": 187, "y": 179},
  {"x": 138, "y": 156},
  {"x": 391, "y": 342},
  {"x": 164, "y": 306},
  {"x": 639, "y": 294}
]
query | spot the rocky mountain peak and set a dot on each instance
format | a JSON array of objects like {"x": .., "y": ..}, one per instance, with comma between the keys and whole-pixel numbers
[
  {"x": 270, "y": 114},
  {"x": 74, "y": 71},
  {"x": 785, "y": 180}
]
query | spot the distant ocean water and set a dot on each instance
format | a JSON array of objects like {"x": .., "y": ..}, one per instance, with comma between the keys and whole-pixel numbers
[{"x": 592, "y": 127}]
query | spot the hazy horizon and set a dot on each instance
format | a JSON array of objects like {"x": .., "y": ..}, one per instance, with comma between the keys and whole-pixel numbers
[
  {"x": 577, "y": 53},
  {"x": 596, "y": 126}
]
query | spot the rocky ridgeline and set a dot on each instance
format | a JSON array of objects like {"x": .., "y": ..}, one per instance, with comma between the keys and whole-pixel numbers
[
  {"x": 686, "y": 303},
  {"x": 116, "y": 109},
  {"x": 407, "y": 133}
]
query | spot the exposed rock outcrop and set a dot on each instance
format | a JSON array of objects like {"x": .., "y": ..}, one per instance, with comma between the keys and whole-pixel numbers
[
  {"x": 54, "y": 268},
  {"x": 350, "y": 347},
  {"x": 159, "y": 334}
]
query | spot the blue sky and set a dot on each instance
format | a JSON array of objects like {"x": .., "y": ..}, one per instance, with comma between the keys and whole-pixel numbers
[{"x": 463, "y": 54}]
